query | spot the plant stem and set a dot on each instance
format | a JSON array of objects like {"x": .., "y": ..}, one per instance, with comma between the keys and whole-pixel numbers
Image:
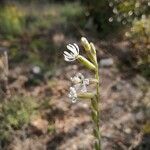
[
  {"x": 98, "y": 104},
  {"x": 96, "y": 113}
]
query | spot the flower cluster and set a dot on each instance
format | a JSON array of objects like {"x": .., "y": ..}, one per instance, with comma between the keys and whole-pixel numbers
[
  {"x": 79, "y": 86},
  {"x": 79, "y": 81}
]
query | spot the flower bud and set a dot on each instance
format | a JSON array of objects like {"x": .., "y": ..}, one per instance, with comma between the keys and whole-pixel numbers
[
  {"x": 86, "y": 62},
  {"x": 93, "y": 81},
  {"x": 85, "y": 44},
  {"x": 96, "y": 133},
  {"x": 93, "y": 50},
  {"x": 86, "y": 95},
  {"x": 93, "y": 54},
  {"x": 94, "y": 116},
  {"x": 76, "y": 80}
]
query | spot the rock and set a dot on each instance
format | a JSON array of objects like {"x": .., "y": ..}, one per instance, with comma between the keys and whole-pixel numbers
[
  {"x": 127, "y": 130},
  {"x": 89, "y": 24},
  {"x": 39, "y": 126},
  {"x": 107, "y": 62},
  {"x": 139, "y": 116},
  {"x": 36, "y": 70},
  {"x": 118, "y": 86}
]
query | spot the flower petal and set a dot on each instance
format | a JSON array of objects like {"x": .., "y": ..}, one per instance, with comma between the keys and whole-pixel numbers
[
  {"x": 74, "y": 100},
  {"x": 67, "y": 54},
  {"x": 66, "y": 59},
  {"x": 72, "y": 49},
  {"x": 69, "y": 59},
  {"x": 77, "y": 48},
  {"x": 83, "y": 88},
  {"x": 86, "y": 81}
]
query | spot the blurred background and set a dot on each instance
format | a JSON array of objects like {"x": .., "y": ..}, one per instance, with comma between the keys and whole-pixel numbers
[{"x": 35, "y": 112}]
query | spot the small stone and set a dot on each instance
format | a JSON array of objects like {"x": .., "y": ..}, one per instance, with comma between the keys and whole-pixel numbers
[
  {"x": 127, "y": 130},
  {"x": 139, "y": 116},
  {"x": 36, "y": 70},
  {"x": 118, "y": 86},
  {"x": 107, "y": 62}
]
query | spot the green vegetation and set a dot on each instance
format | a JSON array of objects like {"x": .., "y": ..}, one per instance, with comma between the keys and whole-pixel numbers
[
  {"x": 14, "y": 114},
  {"x": 129, "y": 16},
  {"x": 28, "y": 30},
  {"x": 17, "y": 19},
  {"x": 112, "y": 14},
  {"x": 11, "y": 20},
  {"x": 139, "y": 36}
]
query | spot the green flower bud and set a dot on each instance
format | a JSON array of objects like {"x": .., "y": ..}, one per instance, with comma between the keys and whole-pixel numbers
[
  {"x": 85, "y": 44},
  {"x": 86, "y": 95},
  {"x": 94, "y": 104},
  {"x": 93, "y": 81},
  {"x": 93, "y": 50},
  {"x": 96, "y": 133},
  {"x": 94, "y": 116},
  {"x": 86, "y": 62},
  {"x": 93, "y": 53}
]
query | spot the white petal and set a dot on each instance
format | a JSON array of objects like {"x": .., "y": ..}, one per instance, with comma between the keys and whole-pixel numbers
[
  {"x": 77, "y": 86},
  {"x": 67, "y": 59},
  {"x": 74, "y": 100},
  {"x": 71, "y": 88},
  {"x": 71, "y": 45},
  {"x": 86, "y": 81},
  {"x": 67, "y": 54},
  {"x": 75, "y": 80},
  {"x": 83, "y": 88},
  {"x": 81, "y": 76},
  {"x": 69, "y": 95},
  {"x": 77, "y": 48},
  {"x": 72, "y": 49},
  {"x": 70, "y": 58}
]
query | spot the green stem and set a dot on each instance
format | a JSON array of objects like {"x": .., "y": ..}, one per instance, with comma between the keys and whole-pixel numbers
[
  {"x": 96, "y": 112},
  {"x": 98, "y": 103}
]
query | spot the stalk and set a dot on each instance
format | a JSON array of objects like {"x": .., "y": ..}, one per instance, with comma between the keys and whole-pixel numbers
[{"x": 95, "y": 113}]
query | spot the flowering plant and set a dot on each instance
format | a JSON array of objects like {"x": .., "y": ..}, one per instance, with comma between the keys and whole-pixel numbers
[{"x": 80, "y": 83}]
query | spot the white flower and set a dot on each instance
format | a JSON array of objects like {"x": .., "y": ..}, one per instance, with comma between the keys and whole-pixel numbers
[
  {"x": 80, "y": 86},
  {"x": 80, "y": 83},
  {"x": 73, "y": 94},
  {"x": 73, "y": 54}
]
